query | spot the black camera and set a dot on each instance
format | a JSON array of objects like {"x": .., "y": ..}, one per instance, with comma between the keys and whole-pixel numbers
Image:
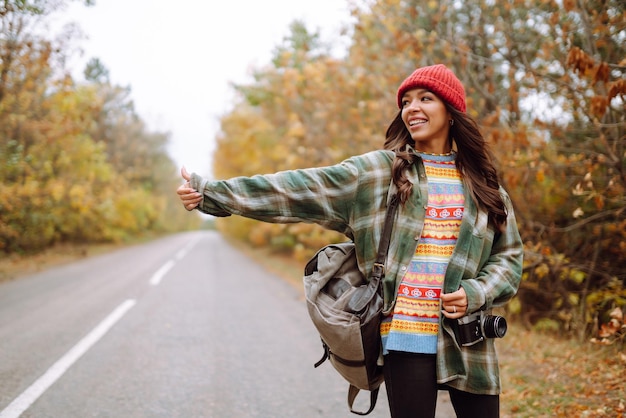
[{"x": 474, "y": 328}]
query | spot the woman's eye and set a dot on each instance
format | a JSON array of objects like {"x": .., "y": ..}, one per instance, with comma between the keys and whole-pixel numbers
[{"x": 426, "y": 98}]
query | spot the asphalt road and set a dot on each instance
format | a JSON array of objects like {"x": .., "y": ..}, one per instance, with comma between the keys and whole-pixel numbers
[{"x": 185, "y": 326}]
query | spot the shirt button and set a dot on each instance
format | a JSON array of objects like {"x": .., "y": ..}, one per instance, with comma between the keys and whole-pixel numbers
[{"x": 403, "y": 268}]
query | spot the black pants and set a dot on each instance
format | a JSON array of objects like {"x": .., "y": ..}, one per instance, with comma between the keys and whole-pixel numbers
[{"x": 411, "y": 382}]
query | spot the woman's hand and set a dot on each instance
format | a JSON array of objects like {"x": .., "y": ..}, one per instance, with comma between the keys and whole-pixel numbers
[
  {"x": 190, "y": 197},
  {"x": 454, "y": 305}
]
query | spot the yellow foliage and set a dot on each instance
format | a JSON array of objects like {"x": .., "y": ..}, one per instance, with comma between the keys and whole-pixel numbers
[
  {"x": 59, "y": 183},
  {"x": 540, "y": 175},
  {"x": 542, "y": 270},
  {"x": 261, "y": 233}
]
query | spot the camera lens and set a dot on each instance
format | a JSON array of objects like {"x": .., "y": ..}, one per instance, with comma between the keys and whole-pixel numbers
[{"x": 494, "y": 326}]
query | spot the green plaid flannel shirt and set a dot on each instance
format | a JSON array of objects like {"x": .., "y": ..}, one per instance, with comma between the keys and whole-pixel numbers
[{"x": 351, "y": 198}]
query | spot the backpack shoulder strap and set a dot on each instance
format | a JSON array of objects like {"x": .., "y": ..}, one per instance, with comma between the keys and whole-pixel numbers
[
  {"x": 353, "y": 391},
  {"x": 383, "y": 246}
]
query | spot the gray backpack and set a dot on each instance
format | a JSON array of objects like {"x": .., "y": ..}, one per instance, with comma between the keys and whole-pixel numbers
[{"x": 346, "y": 308}]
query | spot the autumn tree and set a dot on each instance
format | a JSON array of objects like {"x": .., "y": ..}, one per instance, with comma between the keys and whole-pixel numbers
[
  {"x": 76, "y": 162},
  {"x": 550, "y": 98},
  {"x": 569, "y": 180},
  {"x": 293, "y": 115}
]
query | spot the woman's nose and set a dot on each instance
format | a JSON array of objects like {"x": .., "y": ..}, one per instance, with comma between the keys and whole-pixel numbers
[{"x": 413, "y": 105}]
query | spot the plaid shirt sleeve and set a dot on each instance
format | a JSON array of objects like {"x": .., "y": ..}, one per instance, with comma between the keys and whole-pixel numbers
[{"x": 324, "y": 195}]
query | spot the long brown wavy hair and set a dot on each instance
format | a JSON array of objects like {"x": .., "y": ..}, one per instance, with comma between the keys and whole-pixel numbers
[{"x": 473, "y": 159}]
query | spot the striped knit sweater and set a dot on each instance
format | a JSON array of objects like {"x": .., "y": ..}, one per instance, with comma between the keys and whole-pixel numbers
[{"x": 414, "y": 325}]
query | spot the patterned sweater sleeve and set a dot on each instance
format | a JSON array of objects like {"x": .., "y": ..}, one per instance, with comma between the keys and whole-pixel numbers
[{"x": 316, "y": 195}]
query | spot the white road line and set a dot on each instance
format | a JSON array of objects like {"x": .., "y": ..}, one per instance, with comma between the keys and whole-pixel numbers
[
  {"x": 184, "y": 251},
  {"x": 181, "y": 254},
  {"x": 156, "y": 277},
  {"x": 30, "y": 395}
]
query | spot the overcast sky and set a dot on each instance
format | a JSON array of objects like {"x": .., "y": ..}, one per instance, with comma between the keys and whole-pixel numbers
[{"x": 179, "y": 57}]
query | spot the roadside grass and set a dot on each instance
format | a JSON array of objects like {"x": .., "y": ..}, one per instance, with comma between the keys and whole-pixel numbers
[
  {"x": 547, "y": 376},
  {"x": 543, "y": 374},
  {"x": 16, "y": 265}
]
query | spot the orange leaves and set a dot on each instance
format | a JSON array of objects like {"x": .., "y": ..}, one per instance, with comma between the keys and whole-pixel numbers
[
  {"x": 601, "y": 73},
  {"x": 599, "y": 201},
  {"x": 580, "y": 61},
  {"x": 598, "y": 106},
  {"x": 612, "y": 330},
  {"x": 554, "y": 18},
  {"x": 615, "y": 324},
  {"x": 586, "y": 66},
  {"x": 596, "y": 73},
  {"x": 540, "y": 175},
  {"x": 617, "y": 87},
  {"x": 569, "y": 5}
]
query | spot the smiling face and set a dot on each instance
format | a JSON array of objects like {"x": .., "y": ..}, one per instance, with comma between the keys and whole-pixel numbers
[{"x": 427, "y": 119}]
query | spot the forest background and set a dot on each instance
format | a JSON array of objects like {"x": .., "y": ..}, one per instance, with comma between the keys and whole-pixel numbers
[{"x": 545, "y": 79}]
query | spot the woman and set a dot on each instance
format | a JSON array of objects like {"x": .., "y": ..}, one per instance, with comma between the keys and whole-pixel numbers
[{"x": 455, "y": 249}]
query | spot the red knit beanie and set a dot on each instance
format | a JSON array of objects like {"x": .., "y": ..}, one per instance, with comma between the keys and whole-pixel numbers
[{"x": 438, "y": 79}]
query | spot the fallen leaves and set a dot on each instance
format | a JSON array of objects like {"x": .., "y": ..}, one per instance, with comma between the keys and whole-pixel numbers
[
  {"x": 544, "y": 376},
  {"x": 613, "y": 330}
]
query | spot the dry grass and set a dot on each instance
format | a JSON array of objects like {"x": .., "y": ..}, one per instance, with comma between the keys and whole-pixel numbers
[
  {"x": 547, "y": 376},
  {"x": 16, "y": 265}
]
